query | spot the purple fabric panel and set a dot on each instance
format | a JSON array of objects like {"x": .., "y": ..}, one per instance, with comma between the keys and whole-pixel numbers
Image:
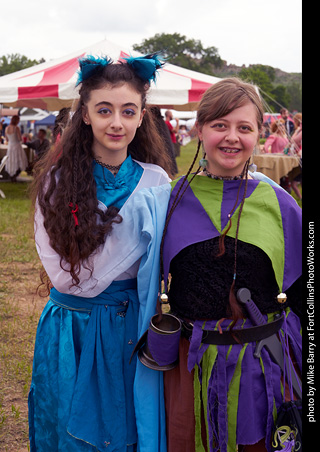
[
  {"x": 229, "y": 191},
  {"x": 252, "y": 400},
  {"x": 195, "y": 354},
  {"x": 192, "y": 228},
  {"x": 295, "y": 338},
  {"x": 213, "y": 429},
  {"x": 258, "y": 390},
  {"x": 164, "y": 348},
  {"x": 223, "y": 398},
  {"x": 272, "y": 391},
  {"x": 292, "y": 232}
]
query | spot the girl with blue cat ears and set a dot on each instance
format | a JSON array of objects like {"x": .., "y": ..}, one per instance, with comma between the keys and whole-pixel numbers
[
  {"x": 145, "y": 67},
  {"x": 81, "y": 395}
]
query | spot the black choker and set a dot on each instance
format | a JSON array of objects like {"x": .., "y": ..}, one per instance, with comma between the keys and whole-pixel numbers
[
  {"x": 213, "y": 176},
  {"x": 112, "y": 168}
]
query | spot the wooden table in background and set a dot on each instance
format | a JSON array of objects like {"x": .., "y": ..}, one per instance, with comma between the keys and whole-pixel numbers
[{"x": 275, "y": 166}]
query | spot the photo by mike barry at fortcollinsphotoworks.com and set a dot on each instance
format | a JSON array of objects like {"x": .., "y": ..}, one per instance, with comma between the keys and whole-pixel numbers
[{"x": 311, "y": 342}]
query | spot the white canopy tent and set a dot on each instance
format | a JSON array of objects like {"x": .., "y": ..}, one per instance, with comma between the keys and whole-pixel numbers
[{"x": 51, "y": 85}]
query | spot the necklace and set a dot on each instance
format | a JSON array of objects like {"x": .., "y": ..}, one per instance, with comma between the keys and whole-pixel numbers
[
  {"x": 112, "y": 168},
  {"x": 213, "y": 176}
]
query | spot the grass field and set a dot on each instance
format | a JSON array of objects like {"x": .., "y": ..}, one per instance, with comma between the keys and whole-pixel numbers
[{"x": 20, "y": 307}]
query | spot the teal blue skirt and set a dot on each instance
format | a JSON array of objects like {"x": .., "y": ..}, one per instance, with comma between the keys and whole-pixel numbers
[{"x": 81, "y": 395}]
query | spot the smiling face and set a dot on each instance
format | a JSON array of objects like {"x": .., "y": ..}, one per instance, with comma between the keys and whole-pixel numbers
[
  {"x": 114, "y": 113},
  {"x": 230, "y": 140}
]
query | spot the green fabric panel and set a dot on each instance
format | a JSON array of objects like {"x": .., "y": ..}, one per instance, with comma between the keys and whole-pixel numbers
[
  {"x": 259, "y": 229},
  {"x": 210, "y": 196},
  {"x": 232, "y": 406},
  {"x": 261, "y": 220},
  {"x": 197, "y": 411}
]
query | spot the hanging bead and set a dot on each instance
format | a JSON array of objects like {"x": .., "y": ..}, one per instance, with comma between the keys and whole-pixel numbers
[
  {"x": 165, "y": 306},
  {"x": 203, "y": 162},
  {"x": 282, "y": 298}
]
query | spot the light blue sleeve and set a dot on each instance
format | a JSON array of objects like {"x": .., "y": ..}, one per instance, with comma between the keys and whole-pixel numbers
[
  {"x": 263, "y": 178},
  {"x": 148, "y": 386}
]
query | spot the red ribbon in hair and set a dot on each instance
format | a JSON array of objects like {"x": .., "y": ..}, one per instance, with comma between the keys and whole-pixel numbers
[{"x": 74, "y": 211}]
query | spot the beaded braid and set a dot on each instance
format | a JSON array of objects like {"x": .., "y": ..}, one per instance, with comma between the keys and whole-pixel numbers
[
  {"x": 176, "y": 202},
  {"x": 235, "y": 309},
  {"x": 73, "y": 204},
  {"x": 222, "y": 236}
]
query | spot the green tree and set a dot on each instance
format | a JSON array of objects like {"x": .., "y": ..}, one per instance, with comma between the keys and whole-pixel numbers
[
  {"x": 281, "y": 96},
  {"x": 257, "y": 76},
  {"x": 294, "y": 89},
  {"x": 269, "y": 70},
  {"x": 15, "y": 62},
  {"x": 183, "y": 52},
  {"x": 275, "y": 97}
]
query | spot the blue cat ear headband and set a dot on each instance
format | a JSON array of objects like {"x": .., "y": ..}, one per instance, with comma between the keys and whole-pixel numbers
[
  {"x": 88, "y": 66},
  {"x": 146, "y": 66}
]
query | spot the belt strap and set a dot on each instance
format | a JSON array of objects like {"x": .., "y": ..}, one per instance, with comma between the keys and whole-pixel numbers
[{"x": 236, "y": 336}]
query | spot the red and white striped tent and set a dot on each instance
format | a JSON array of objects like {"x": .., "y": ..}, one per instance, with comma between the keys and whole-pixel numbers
[{"x": 51, "y": 85}]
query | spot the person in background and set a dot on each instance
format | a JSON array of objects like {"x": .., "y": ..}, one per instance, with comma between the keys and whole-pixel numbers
[
  {"x": 2, "y": 130},
  {"x": 164, "y": 132},
  {"x": 81, "y": 394},
  {"x": 295, "y": 176},
  {"x": 184, "y": 136},
  {"x": 265, "y": 130},
  {"x": 40, "y": 145},
  {"x": 277, "y": 141},
  {"x": 173, "y": 131},
  {"x": 288, "y": 123},
  {"x": 17, "y": 159},
  {"x": 297, "y": 135}
]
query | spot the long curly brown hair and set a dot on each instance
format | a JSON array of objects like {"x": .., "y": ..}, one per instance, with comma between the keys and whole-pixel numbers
[{"x": 63, "y": 178}]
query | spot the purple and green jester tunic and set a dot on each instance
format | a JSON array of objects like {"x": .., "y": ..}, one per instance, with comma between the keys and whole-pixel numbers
[{"x": 239, "y": 392}]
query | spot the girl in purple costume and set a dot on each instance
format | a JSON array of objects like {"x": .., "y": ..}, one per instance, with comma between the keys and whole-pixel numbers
[{"x": 225, "y": 230}]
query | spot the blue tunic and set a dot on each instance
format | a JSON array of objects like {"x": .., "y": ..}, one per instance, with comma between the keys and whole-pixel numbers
[
  {"x": 115, "y": 190},
  {"x": 81, "y": 395}
]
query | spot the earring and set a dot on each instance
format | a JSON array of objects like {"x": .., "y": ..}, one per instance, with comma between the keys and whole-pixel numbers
[
  {"x": 203, "y": 162},
  {"x": 86, "y": 123}
]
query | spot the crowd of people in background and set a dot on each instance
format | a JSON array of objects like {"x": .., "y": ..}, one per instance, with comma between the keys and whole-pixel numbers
[
  {"x": 282, "y": 135},
  {"x": 25, "y": 148}
]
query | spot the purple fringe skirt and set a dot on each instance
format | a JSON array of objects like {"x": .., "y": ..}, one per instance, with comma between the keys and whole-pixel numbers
[{"x": 236, "y": 396}]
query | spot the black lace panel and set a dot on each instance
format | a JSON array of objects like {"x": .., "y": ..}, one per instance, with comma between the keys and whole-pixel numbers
[{"x": 201, "y": 281}]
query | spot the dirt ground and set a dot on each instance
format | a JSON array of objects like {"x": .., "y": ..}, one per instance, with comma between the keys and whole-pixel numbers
[{"x": 20, "y": 309}]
